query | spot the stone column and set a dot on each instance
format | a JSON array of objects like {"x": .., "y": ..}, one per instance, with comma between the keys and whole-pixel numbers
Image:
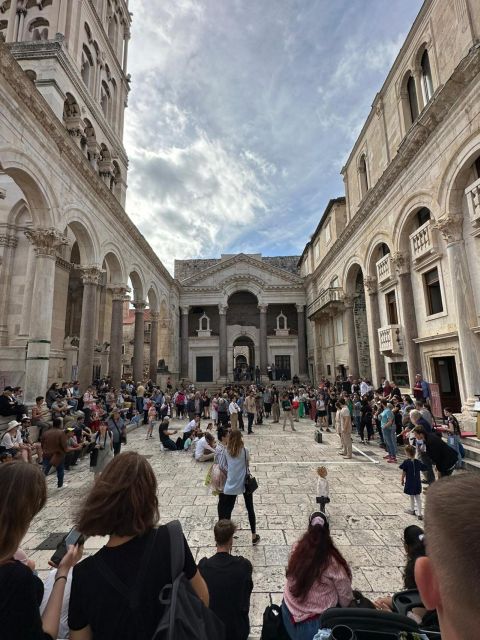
[
  {"x": 263, "y": 339},
  {"x": 12, "y": 28},
  {"x": 27, "y": 294},
  {"x": 116, "y": 335},
  {"x": 351, "y": 337},
  {"x": 90, "y": 279},
  {"x": 409, "y": 319},
  {"x": 302, "y": 351},
  {"x": 373, "y": 319},
  {"x": 184, "y": 342},
  {"x": 139, "y": 340},
  {"x": 222, "y": 343},
  {"x": 45, "y": 243},
  {"x": 152, "y": 373},
  {"x": 8, "y": 244},
  {"x": 451, "y": 228}
]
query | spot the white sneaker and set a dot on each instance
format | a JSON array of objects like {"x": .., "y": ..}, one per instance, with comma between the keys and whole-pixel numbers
[{"x": 65, "y": 484}]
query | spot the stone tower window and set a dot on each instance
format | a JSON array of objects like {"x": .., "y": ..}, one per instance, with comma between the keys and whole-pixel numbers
[
  {"x": 412, "y": 99},
  {"x": 363, "y": 175},
  {"x": 426, "y": 72}
]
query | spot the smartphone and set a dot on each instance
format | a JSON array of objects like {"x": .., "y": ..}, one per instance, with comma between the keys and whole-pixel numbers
[{"x": 72, "y": 537}]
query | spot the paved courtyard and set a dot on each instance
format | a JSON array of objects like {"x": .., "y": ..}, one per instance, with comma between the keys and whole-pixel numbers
[{"x": 366, "y": 509}]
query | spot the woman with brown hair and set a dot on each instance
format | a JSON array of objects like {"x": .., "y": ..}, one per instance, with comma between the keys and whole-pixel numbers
[
  {"x": 123, "y": 505},
  {"x": 318, "y": 577},
  {"x": 24, "y": 493},
  {"x": 237, "y": 458}
]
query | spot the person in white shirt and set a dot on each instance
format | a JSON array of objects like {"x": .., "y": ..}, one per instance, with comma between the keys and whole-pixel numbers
[
  {"x": 364, "y": 388},
  {"x": 233, "y": 410},
  {"x": 205, "y": 449},
  {"x": 346, "y": 429},
  {"x": 322, "y": 488},
  {"x": 188, "y": 431},
  {"x": 12, "y": 441}
]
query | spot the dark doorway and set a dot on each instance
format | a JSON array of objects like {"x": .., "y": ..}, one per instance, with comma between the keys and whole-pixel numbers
[
  {"x": 243, "y": 365},
  {"x": 282, "y": 368},
  {"x": 445, "y": 371},
  {"x": 204, "y": 369}
]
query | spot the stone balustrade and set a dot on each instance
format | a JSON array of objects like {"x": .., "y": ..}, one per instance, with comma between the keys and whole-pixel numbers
[
  {"x": 423, "y": 242},
  {"x": 473, "y": 201},
  {"x": 384, "y": 269},
  {"x": 327, "y": 297},
  {"x": 389, "y": 339}
]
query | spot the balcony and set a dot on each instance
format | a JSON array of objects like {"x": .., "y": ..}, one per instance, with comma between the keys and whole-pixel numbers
[
  {"x": 385, "y": 270},
  {"x": 389, "y": 339},
  {"x": 330, "y": 298},
  {"x": 473, "y": 201},
  {"x": 424, "y": 243}
]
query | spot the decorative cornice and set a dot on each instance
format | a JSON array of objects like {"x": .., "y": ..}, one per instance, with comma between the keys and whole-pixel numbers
[
  {"x": 8, "y": 241},
  {"x": 239, "y": 258},
  {"x": 31, "y": 100},
  {"x": 63, "y": 264},
  {"x": 427, "y": 122}
]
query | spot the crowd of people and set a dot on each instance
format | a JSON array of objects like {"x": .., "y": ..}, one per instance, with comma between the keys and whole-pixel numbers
[{"x": 123, "y": 504}]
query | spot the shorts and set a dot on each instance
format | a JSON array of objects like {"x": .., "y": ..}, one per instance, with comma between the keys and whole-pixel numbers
[{"x": 321, "y": 414}]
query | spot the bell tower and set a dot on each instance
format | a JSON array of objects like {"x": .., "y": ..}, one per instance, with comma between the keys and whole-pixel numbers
[{"x": 76, "y": 54}]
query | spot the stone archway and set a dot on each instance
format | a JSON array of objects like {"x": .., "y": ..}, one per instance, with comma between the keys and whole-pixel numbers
[{"x": 243, "y": 359}]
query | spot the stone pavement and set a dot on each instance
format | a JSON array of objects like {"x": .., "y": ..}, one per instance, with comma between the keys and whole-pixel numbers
[{"x": 366, "y": 509}]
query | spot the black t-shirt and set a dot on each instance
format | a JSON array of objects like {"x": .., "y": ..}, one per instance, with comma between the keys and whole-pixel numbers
[
  {"x": 95, "y": 602},
  {"x": 229, "y": 581},
  {"x": 21, "y": 594},
  {"x": 162, "y": 428},
  {"x": 443, "y": 456}
]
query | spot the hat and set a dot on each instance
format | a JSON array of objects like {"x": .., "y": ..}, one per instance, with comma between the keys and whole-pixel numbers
[
  {"x": 25, "y": 418},
  {"x": 8, "y": 388},
  {"x": 79, "y": 414},
  {"x": 13, "y": 424}
]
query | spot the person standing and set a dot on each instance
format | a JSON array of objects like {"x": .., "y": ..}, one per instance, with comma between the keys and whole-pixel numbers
[
  {"x": 287, "y": 412},
  {"x": 117, "y": 427},
  {"x": 54, "y": 447},
  {"x": 237, "y": 458},
  {"x": 233, "y": 410},
  {"x": 139, "y": 397},
  {"x": 412, "y": 485},
  {"x": 229, "y": 582},
  {"x": 387, "y": 424},
  {"x": 104, "y": 445},
  {"x": 250, "y": 407},
  {"x": 275, "y": 406},
  {"x": 345, "y": 429}
]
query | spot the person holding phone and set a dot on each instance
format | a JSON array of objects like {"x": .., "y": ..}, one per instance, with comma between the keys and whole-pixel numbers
[{"x": 24, "y": 493}]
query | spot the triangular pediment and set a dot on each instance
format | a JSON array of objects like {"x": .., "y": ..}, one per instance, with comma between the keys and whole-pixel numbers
[{"x": 242, "y": 266}]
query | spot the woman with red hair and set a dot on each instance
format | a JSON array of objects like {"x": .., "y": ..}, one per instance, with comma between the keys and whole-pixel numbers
[{"x": 318, "y": 578}]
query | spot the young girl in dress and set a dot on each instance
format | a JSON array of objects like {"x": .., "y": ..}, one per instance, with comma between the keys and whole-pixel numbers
[
  {"x": 322, "y": 488},
  {"x": 412, "y": 485},
  {"x": 152, "y": 416}
]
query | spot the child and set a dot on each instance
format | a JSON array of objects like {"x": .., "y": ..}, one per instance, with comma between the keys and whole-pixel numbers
[
  {"x": 322, "y": 488},
  {"x": 152, "y": 416},
  {"x": 412, "y": 486}
]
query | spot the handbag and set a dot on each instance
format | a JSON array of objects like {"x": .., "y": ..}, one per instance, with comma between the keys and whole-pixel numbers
[
  {"x": 94, "y": 457},
  {"x": 218, "y": 478},
  {"x": 123, "y": 433},
  {"x": 273, "y": 627},
  {"x": 251, "y": 483}
]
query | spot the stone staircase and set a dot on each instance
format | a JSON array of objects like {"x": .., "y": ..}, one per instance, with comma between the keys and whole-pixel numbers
[{"x": 472, "y": 454}]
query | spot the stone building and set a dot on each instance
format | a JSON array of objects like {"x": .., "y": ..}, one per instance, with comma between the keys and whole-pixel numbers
[
  {"x": 241, "y": 311},
  {"x": 69, "y": 252},
  {"x": 392, "y": 271}
]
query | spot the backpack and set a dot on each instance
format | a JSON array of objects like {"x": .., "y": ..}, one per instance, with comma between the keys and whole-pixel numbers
[{"x": 185, "y": 617}]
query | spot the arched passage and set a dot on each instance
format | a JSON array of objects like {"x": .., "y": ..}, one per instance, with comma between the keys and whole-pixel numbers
[
  {"x": 243, "y": 359},
  {"x": 356, "y": 324}
]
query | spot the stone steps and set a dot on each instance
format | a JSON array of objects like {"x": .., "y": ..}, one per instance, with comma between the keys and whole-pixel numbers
[{"x": 472, "y": 454}]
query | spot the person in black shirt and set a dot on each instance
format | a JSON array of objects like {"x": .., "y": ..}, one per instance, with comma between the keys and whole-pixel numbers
[
  {"x": 24, "y": 493},
  {"x": 229, "y": 581},
  {"x": 123, "y": 504},
  {"x": 165, "y": 433},
  {"x": 442, "y": 456}
]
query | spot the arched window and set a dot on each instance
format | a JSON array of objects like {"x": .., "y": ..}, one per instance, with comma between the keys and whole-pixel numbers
[
  {"x": 115, "y": 181},
  {"x": 88, "y": 33},
  {"x": 334, "y": 282},
  {"x": 426, "y": 72},
  {"x": 38, "y": 29},
  {"x": 412, "y": 99},
  {"x": 363, "y": 175},
  {"x": 383, "y": 250},
  {"x": 105, "y": 98},
  {"x": 113, "y": 102},
  {"x": 3, "y": 30},
  {"x": 282, "y": 321},
  {"x": 86, "y": 70},
  {"x": 422, "y": 216}
]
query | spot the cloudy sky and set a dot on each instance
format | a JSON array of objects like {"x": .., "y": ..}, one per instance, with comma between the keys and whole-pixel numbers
[{"x": 242, "y": 113}]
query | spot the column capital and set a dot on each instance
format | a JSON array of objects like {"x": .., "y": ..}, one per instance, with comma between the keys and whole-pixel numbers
[
  {"x": 400, "y": 262},
  {"x": 184, "y": 310},
  {"x": 154, "y": 316},
  {"x": 119, "y": 292},
  {"x": 222, "y": 309},
  {"x": 90, "y": 273},
  {"x": 263, "y": 307},
  {"x": 300, "y": 308},
  {"x": 451, "y": 228},
  {"x": 348, "y": 301},
  {"x": 46, "y": 241},
  {"x": 370, "y": 284},
  {"x": 139, "y": 306}
]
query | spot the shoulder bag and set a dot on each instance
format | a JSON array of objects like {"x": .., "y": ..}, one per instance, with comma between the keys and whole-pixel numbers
[{"x": 251, "y": 483}]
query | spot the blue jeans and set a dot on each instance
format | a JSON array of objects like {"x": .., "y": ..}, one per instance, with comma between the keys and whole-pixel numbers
[
  {"x": 390, "y": 437},
  {"x": 302, "y": 630},
  {"x": 47, "y": 465}
]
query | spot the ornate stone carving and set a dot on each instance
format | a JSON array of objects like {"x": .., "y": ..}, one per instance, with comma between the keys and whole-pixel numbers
[
  {"x": 154, "y": 316},
  {"x": 46, "y": 241},
  {"x": 139, "y": 306},
  {"x": 119, "y": 292},
  {"x": 63, "y": 264},
  {"x": 400, "y": 262},
  {"x": 348, "y": 301},
  {"x": 3, "y": 193},
  {"x": 370, "y": 284},
  {"x": 263, "y": 308},
  {"x": 90, "y": 274},
  {"x": 222, "y": 309},
  {"x": 451, "y": 228},
  {"x": 8, "y": 241}
]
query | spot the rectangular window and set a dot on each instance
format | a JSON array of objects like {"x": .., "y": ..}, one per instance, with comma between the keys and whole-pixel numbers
[
  {"x": 329, "y": 370},
  {"x": 391, "y": 304},
  {"x": 328, "y": 233},
  {"x": 433, "y": 291},
  {"x": 282, "y": 367},
  {"x": 123, "y": 349},
  {"x": 339, "y": 329},
  {"x": 399, "y": 374}
]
